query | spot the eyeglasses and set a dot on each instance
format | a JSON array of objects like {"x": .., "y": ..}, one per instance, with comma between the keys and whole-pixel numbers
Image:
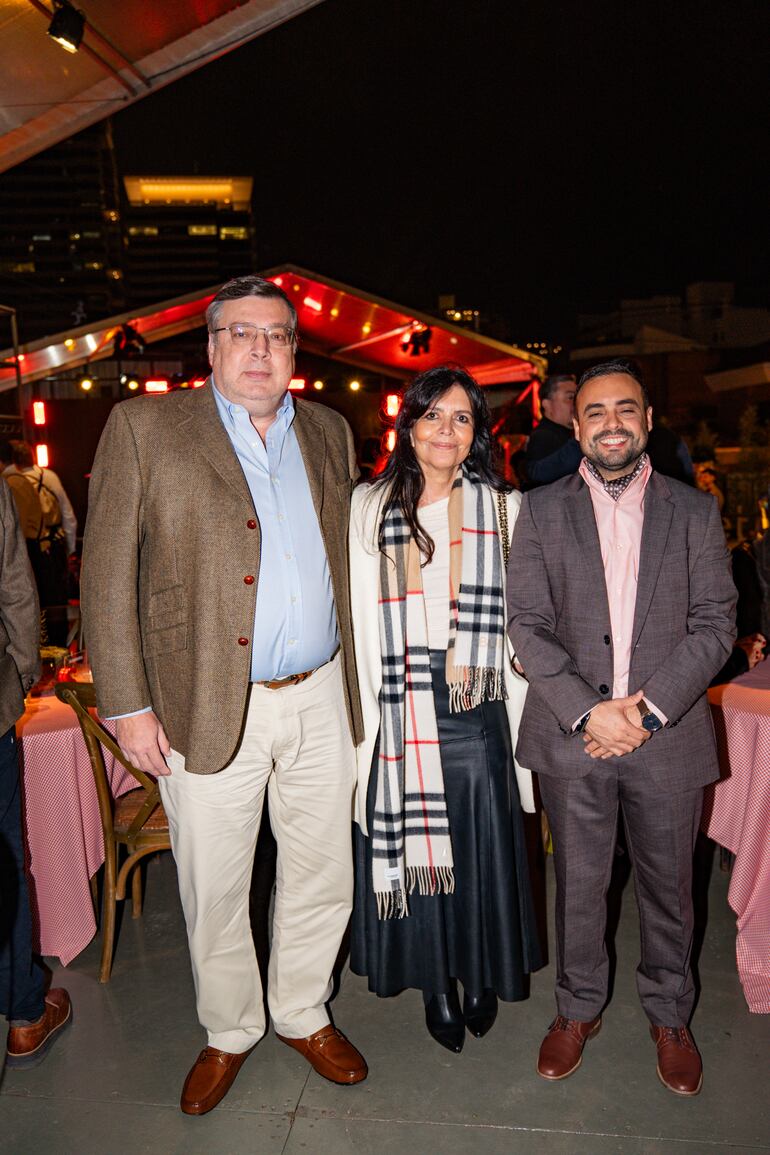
[{"x": 245, "y": 334}]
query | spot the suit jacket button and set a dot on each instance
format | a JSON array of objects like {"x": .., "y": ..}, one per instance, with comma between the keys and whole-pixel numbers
[
  {"x": 243, "y": 641},
  {"x": 251, "y": 523},
  {"x": 249, "y": 579},
  {"x": 604, "y": 689},
  {"x": 606, "y": 639}
]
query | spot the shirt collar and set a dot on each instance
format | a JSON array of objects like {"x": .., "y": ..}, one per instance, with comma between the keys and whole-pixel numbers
[
  {"x": 231, "y": 411},
  {"x": 617, "y": 486}
]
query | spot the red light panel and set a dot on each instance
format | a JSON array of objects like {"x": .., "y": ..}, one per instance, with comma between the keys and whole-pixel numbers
[
  {"x": 41, "y": 456},
  {"x": 197, "y": 382},
  {"x": 38, "y": 412},
  {"x": 156, "y": 385},
  {"x": 392, "y": 404},
  {"x": 297, "y": 383}
]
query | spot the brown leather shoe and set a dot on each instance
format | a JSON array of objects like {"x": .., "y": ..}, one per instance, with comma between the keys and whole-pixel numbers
[
  {"x": 679, "y": 1064},
  {"x": 331, "y": 1055},
  {"x": 561, "y": 1051},
  {"x": 210, "y": 1078},
  {"x": 29, "y": 1043}
]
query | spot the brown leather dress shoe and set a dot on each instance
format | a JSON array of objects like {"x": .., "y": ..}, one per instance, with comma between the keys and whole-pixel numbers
[
  {"x": 331, "y": 1055},
  {"x": 210, "y": 1078},
  {"x": 29, "y": 1043},
  {"x": 679, "y": 1064},
  {"x": 561, "y": 1051}
]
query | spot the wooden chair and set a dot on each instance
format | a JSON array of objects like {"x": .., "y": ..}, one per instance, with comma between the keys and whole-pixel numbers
[{"x": 136, "y": 820}]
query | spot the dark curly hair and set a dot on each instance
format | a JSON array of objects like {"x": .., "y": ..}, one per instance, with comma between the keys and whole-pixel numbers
[{"x": 403, "y": 478}]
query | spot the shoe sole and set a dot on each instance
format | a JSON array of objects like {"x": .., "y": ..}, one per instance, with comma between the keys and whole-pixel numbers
[
  {"x": 571, "y": 1071},
  {"x": 684, "y": 1094},
  {"x": 33, "y": 1058}
]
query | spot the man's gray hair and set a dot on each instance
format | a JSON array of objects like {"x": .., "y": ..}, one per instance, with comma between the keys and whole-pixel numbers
[{"x": 250, "y": 286}]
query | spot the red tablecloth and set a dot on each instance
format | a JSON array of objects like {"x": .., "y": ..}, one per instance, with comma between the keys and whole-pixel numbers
[
  {"x": 737, "y": 815},
  {"x": 63, "y": 828}
]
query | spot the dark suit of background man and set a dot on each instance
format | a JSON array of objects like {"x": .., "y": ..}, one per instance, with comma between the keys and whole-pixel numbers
[
  {"x": 622, "y": 609},
  {"x": 552, "y": 451},
  {"x": 217, "y": 613},
  {"x": 36, "y": 1017}
]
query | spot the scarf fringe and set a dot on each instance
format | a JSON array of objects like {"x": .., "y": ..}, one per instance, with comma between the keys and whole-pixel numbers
[
  {"x": 478, "y": 684},
  {"x": 430, "y": 880},
  {"x": 391, "y": 904}
]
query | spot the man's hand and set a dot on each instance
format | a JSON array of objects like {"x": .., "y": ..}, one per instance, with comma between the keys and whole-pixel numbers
[
  {"x": 753, "y": 646},
  {"x": 615, "y": 728},
  {"x": 143, "y": 741}
]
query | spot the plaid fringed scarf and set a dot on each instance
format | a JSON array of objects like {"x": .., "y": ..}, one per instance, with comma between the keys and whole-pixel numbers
[{"x": 411, "y": 844}]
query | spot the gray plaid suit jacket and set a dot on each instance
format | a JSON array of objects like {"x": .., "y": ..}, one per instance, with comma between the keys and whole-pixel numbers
[{"x": 559, "y": 623}]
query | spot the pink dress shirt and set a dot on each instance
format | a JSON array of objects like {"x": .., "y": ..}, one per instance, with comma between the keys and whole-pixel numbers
[{"x": 619, "y": 524}]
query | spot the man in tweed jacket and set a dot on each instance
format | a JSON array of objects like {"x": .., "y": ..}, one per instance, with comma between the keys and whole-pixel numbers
[
  {"x": 217, "y": 616},
  {"x": 621, "y": 611}
]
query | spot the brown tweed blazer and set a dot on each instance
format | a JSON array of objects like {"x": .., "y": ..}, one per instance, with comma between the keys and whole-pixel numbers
[
  {"x": 170, "y": 536},
  {"x": 559, "y": 623},
  {"x": 19, "y": 615}
]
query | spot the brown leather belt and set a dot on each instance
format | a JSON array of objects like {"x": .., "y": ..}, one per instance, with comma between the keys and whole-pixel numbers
[{"x": 294, "y": 679}]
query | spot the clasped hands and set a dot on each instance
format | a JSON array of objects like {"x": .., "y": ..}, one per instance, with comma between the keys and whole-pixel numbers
[{"x": 615, "y": 728}]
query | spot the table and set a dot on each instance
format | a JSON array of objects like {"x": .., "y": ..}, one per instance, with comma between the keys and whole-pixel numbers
[
  {"x": 62, "y": 825},
  {"x": 736, "y": 814}
]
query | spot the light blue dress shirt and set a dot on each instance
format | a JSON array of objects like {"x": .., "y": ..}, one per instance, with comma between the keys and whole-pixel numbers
[{"x": 295, "y": 624}]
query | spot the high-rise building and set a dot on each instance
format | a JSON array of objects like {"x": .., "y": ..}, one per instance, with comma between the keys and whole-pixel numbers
[
  {"x": 185, "y": 233},
  {"x": 78, "y": 243},
  {"x": 60, "y": 241}
]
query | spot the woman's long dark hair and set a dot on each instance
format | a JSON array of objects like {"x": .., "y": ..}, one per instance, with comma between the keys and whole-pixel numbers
[{"x": 402, "y": 477}]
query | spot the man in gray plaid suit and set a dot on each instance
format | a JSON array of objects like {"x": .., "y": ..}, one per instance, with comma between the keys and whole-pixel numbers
[{"x": 621, "y": 609}]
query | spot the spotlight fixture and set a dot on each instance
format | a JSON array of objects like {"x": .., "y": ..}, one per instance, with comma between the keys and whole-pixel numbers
[{"x": 67, "y": 25}]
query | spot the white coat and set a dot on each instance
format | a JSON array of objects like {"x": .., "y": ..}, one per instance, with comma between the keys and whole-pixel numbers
[{"x": 364, "y": 596}]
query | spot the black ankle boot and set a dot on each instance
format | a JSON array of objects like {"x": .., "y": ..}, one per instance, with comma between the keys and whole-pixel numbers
[
  {"x": 444, "y": 1020},
  {"x": 480, "y": 1012}
]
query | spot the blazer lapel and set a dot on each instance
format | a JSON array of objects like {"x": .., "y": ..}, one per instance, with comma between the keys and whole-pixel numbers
[
  {"x": 582, "y": 521},
  {"x": 203, "y": 425},
  {"x": 312, "y": 445},
  {"x": 658, "y": 512}
]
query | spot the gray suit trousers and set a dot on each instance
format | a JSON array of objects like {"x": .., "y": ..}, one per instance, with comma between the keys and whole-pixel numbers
[{"x": 661, "y": 828}]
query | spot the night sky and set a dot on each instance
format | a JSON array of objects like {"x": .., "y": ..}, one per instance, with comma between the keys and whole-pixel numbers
[{"x": 537, "y": 160}]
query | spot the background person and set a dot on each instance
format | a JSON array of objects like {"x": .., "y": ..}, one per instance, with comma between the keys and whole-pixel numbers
[
  {"x": 36, "y": 1017},
  {"x": 552, "y": 451},
  {"x": 442, "y": 886}
]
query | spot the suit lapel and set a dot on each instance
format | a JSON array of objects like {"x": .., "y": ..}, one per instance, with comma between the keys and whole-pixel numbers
[
  {"x": 203, "y": 425},
  {"x": 583, "y": 524},
  {"x": 658, "y": 512},
  {"x": 312, "y": 445}
]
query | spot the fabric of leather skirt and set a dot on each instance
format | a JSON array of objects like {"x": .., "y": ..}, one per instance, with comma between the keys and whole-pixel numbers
[{"x": 484, "y": 934}]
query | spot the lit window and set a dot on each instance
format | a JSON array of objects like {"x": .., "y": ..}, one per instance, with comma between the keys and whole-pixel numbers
[
  {"x": 93, "y": 265},
  {"x": 201, "y": 230},
  {"x": 234, "y": 233},
  {"x": 143, "y": 231}
]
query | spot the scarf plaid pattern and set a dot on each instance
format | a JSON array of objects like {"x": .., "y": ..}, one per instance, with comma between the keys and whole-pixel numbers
[{"x": 411, "y": 845}]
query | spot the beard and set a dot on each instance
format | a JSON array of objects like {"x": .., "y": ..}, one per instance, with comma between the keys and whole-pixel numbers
[{"x": 618, "y": 458}]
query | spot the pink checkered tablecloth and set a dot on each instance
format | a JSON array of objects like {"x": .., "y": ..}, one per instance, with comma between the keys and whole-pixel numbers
[
  {"x": 62, "y": 826},
  {"x": 737, "y": 815}
]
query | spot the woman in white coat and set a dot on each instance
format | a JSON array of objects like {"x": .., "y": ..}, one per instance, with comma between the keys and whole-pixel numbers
[{"x": 442, "y": 886}]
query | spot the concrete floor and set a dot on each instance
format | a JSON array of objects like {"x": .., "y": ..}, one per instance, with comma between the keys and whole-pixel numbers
[{"x": 111, "y": 1084}]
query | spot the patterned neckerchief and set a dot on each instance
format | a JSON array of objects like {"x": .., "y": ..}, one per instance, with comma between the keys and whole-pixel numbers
[{"x": 618, "y": 485}]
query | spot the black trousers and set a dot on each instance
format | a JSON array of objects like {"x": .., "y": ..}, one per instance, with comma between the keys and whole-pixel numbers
[
  {"x": 661, "y": 829},
  {"x": 22, "y": 985}
]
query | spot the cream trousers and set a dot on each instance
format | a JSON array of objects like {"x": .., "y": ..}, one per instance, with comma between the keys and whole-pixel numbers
[{"x": 296, "y": 744}]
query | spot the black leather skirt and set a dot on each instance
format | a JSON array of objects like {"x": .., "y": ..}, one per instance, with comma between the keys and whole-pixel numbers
[{"x": 484, "y": 934}]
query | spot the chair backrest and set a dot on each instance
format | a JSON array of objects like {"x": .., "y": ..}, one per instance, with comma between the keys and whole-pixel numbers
[{"x": 81, "y": 696}]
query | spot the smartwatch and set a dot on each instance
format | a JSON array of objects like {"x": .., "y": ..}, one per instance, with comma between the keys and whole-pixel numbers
[{"x": 650, "y": 722}]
